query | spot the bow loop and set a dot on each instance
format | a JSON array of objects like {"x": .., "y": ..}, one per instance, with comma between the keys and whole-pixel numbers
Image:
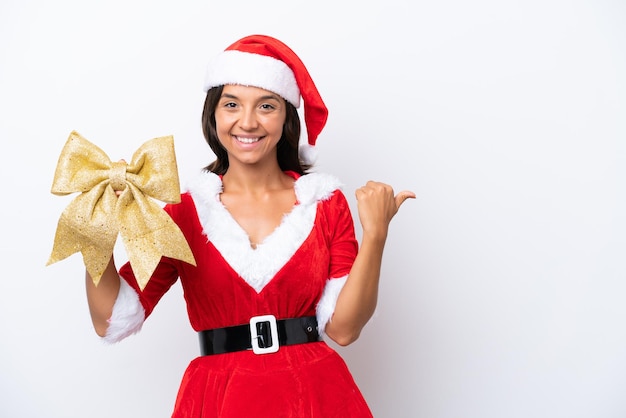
[
  {"x": 153, "y": 169},
  {"x": 81, "y": 166},
  {"x": 92, "y": 221}
]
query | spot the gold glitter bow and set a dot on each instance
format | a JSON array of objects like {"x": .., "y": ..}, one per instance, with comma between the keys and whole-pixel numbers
[{"x": 91, "y": 222}]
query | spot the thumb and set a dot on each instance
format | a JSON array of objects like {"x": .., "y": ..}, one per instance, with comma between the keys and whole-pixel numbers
[{"x": 402, "y": 196}]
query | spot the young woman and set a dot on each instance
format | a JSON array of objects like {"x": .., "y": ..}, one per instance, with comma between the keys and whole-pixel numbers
[{"x": 278, "y": 265}]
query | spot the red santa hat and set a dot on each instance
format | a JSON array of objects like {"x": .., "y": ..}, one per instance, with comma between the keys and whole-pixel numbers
[{"x": 265, "y": 62}]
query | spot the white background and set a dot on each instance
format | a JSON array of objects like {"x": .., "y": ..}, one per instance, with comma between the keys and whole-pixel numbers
[{"x": 503, "y": 290}]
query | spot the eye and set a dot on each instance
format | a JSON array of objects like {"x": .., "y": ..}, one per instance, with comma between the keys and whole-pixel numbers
[
  {"x": 267, "y": 106},
  {"x": 229, "y": 105}
]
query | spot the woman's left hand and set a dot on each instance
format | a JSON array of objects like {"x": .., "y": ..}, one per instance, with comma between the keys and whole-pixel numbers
[{"x": 377, "y": 205}]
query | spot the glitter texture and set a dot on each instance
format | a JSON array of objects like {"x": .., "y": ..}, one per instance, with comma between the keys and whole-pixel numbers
[{"x": 91, "y": 222}]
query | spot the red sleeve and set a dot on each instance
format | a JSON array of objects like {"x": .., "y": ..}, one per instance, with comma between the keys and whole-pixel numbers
[
  {"x": 342, "y": 241},
  {"x": 164, "y": 276},
  {"x": 162, "y": 279}
]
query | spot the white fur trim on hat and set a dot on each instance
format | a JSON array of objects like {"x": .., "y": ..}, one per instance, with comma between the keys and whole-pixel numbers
[
  {"x": 127, "y": 317},
  {"x": 247, "y": 69}
]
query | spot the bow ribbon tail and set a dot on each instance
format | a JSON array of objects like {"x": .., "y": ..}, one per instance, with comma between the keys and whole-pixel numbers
[
  {"x": 148, "y": 234},
  {"x": 88, "y": 225}
]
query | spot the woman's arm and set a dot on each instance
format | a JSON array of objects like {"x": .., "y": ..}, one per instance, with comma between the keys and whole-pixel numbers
[
  {"x": 101, "y": 298},
  {"x": 356, "y": 303}
]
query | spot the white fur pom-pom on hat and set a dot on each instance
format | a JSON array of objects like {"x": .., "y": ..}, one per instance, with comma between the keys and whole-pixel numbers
[
  {"x": 308, "y": 154},
  {"x": 265, "y": 62}
]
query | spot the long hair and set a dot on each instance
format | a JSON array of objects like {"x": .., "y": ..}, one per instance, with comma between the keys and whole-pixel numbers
[{"x": 287, "y": 148}]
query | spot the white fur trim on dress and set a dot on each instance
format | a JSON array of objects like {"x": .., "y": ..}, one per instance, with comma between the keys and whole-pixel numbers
[
  {"x": 128, "y": 315},
  {"x": 248, "y": 69},
  {"x": 257, "y": 266},
  {"x": 328, "y": 301}
]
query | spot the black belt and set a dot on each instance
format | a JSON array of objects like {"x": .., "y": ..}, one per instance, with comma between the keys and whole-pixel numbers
[{"x": 264, "y": 334}]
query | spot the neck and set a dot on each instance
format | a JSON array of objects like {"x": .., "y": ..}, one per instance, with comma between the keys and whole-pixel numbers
[{"x": 240, "y": 179}]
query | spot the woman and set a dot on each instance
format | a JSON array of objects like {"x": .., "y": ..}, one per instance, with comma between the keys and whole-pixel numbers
[{"x": 278, "y": 265}]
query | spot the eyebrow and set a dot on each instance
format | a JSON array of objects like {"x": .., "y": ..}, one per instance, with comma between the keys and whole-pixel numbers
[{"x": 266, "y": 97}]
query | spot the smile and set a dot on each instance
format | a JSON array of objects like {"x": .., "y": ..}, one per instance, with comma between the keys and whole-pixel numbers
[{"x": 247, "y": 140}]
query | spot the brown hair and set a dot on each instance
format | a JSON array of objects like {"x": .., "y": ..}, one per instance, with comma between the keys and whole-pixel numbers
[{"x": 287, "y": 148}]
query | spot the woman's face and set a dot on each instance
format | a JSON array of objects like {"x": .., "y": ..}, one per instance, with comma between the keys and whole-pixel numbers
[{"x": 249, "y": 122}]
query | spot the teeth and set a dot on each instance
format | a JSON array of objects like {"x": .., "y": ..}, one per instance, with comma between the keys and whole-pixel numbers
[{"x": 247, "y": 140}]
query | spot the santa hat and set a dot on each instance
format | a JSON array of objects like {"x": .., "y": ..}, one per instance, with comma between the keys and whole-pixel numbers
[{"x": 265, "y": 62}]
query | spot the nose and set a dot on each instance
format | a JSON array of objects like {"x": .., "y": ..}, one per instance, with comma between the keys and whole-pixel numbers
[{"x": 248, "y": 119}]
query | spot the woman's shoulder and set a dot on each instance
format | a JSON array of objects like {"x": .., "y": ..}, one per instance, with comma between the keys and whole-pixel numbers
[
  {"x": 204, "y": 187},
  {"x": 206, "y": 183},
  {"x": 314, "y": 187}
]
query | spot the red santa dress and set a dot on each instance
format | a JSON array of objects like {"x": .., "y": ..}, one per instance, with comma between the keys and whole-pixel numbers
[{"x": 297, "y": 271}]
